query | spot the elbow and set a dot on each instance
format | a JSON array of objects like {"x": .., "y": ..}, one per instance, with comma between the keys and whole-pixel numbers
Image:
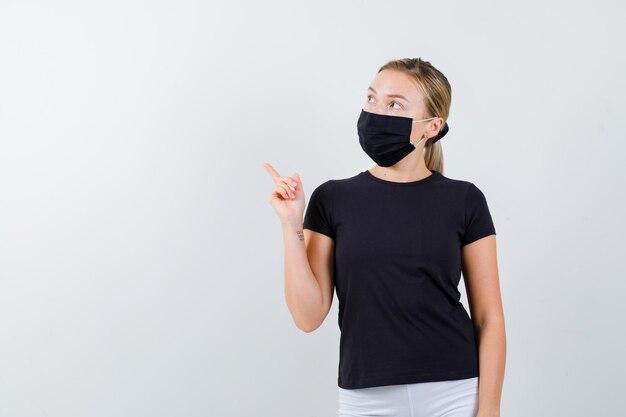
[
  {"x": 308, "y": 327},
  {"x": 495, "y": 320}
]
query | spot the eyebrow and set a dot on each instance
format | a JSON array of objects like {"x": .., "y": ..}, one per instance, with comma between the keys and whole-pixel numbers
[{"x": 391, "y": 95}]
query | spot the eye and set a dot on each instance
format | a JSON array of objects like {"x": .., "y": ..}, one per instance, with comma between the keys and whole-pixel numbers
[{"x": 393, "y": 101}]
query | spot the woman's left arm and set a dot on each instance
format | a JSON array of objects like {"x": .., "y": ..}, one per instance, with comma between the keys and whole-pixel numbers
[{"x": 480, "y": 274}]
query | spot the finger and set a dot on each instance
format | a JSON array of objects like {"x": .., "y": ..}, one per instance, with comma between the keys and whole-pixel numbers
[
  {"x": 275, "y": 175},
  {"x": 284, "y": 191},
  {"x": 287, "y": 189},
  {"x": 280, "y": 192},
  {"x": 298, "y": 185},
  {"x": 290, "y": 181}
]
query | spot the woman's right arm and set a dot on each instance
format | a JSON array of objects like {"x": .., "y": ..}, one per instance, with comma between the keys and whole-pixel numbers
[
  {"x": 308, "y": 275},
  {"x": 308, "y": 259}
]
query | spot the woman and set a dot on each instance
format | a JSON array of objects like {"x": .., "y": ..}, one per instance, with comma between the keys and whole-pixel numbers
[{"x": 393, "y": 241}]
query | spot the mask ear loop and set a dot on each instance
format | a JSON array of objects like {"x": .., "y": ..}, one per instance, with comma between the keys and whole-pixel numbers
[
  {"x": 423, "y": 138},
  {"x": 420, "y": 141},
  {"x": 442, "y": 132},
  {"x": 423, "y": 120}
]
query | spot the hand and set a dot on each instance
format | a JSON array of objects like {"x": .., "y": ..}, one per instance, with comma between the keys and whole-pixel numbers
[{"x": 287, "y": 196}]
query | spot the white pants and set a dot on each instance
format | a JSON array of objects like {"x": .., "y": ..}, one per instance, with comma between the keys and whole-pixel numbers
[{"x": 453, "y": 398}]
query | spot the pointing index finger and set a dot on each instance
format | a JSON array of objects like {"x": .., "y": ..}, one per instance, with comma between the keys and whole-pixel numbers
[{"x": 275, "y": 175}]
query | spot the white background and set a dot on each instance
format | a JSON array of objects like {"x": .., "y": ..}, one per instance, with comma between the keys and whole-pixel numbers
[{"x": 141, "y": 264}]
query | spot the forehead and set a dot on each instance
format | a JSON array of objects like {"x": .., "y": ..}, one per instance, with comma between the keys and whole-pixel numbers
[{"x": 389, "y": 82}]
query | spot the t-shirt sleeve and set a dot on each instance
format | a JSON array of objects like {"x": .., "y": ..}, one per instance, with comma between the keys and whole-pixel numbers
[
  {"x": 478, "y": 221},
  {"x": 318, "y": 216}
]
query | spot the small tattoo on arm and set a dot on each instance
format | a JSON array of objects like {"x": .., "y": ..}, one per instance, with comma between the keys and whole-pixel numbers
[{"x": 300, "y": 234}]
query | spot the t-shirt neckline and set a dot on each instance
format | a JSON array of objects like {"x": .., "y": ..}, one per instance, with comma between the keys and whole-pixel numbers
[{"x": 426, "y": 180}]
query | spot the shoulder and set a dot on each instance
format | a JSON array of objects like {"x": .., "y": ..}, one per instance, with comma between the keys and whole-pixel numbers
[
  {"x": 460, "y": 186},
  {"x": 338, "y": 183},
  {"x": 471, "y": 198},
  {"x": 462, "y": 191}
]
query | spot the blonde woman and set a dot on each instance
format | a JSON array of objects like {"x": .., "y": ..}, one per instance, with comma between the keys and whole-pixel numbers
[{"x": 393, "y": 241}]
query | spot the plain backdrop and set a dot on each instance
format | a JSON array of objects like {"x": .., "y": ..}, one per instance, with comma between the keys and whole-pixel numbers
[{"x": 141, "y": 266}]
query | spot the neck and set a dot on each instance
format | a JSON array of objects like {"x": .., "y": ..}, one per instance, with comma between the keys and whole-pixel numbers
[{"x": 404, "y": 171}]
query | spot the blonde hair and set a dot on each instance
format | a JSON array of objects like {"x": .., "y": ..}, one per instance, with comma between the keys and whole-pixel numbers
[{"x": 437, "y": 93}]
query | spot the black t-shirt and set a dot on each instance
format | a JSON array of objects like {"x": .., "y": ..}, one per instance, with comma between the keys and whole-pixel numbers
[{"x": 397, "y": 267}]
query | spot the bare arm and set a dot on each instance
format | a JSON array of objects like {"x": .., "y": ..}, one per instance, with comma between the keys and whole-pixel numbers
[
  {"x": 480, "y": 272},
  {"x": 308, "y": 255},
  {"x": 308, "y": 275}
]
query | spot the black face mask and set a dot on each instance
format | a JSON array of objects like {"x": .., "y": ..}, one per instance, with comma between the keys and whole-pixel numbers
[{"x": 386, "y": 139}]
